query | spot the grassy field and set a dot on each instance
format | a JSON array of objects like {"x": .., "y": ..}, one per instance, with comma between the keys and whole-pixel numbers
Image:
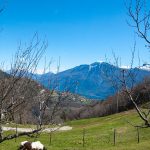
[{"x": 98, "y": 135}]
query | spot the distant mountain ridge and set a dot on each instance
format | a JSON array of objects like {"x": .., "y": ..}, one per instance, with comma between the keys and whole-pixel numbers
[{"x": 91, "y": 81}]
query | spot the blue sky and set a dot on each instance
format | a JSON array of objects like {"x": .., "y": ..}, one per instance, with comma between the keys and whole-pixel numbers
[{"x": 78, "y": 31}]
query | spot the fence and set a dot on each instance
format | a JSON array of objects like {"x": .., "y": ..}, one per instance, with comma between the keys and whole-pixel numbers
[{"x": 90, "y": 138}]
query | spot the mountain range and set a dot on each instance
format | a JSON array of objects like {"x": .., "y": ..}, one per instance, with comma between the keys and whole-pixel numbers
[{"x": 95, "y": 81}]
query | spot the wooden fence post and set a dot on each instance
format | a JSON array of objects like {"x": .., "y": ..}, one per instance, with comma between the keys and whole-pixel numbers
[
  {"x": 83, "y": 137},
  {"x": 114, "y": 137},
  {"x": 138, "y": 135},
  {"x": 16, "y": 133},
  {"x": 50, "y": 137}
]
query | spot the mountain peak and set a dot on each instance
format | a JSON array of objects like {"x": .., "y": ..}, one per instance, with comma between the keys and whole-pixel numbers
[
  {"x": 100, "y": 63},
  {"x": 95, "y": 63}
]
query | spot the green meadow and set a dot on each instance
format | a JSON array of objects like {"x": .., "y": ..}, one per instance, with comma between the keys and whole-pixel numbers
[{"x": 93, "y": 134}]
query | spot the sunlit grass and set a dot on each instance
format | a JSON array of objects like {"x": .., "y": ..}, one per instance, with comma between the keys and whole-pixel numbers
[{"x": 98, "y": 135}]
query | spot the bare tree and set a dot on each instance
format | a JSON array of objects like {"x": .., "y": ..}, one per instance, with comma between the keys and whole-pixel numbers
[
  {"x": 112, "y": 74},
  {"x": 25, "y": 60},
  {"x": 54, "y": 101},
  {"x": 139, "y": 14},
  {"x": 143, "y": 114},
  {"x": 127, "y": 82}
]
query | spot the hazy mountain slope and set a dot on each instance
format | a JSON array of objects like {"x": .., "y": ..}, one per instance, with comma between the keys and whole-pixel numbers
[
  {"x": 3, "y": 74},
  {"x": 92, "y": 81}
]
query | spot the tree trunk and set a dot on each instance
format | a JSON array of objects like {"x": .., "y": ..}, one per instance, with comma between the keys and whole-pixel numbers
[{"x": 1, "y": 131}]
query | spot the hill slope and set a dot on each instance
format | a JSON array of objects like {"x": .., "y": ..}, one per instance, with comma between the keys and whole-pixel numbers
[{"x": 98, "y": 135}]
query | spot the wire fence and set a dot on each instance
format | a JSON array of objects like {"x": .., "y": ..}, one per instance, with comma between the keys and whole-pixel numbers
[{"x": 90, "y": 138}]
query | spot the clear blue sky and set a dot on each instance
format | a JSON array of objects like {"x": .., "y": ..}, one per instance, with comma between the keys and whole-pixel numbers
[{"x": 79, "y": 31}]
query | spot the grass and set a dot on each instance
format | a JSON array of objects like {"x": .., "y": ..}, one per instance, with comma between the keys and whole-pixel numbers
[{"x": 98, "y": 135}]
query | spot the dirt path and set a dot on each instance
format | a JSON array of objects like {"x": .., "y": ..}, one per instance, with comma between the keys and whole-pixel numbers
[{"x": 63, "y": 128}]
